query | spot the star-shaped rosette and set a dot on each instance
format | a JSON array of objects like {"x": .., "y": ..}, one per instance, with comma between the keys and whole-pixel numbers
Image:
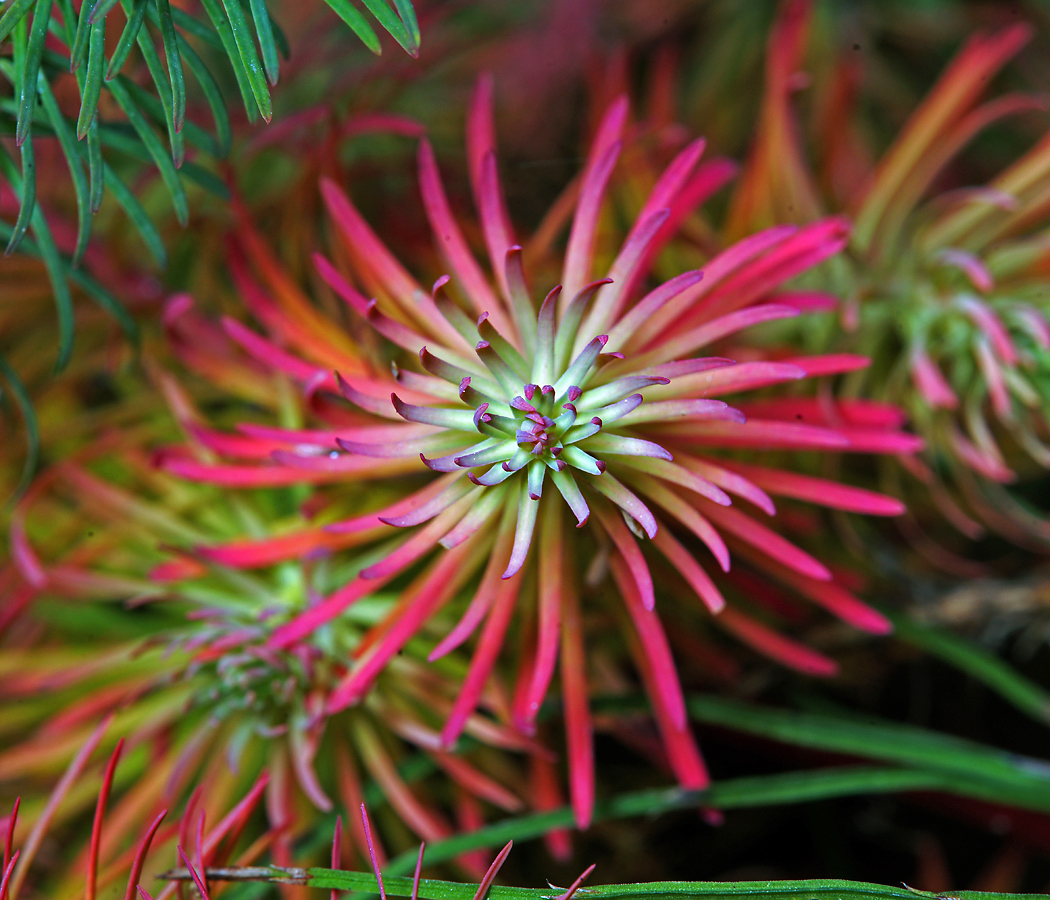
[{"x": 558, "y": 440}]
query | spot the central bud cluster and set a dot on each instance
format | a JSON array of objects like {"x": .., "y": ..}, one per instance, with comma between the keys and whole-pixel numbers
[{"x": 543, "y": 431}]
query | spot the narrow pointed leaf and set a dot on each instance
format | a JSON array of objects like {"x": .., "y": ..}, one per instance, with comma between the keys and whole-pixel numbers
[
  {"x": 100, "y": 10},
  {"x": 127, "y": 39},
  {"x": 27, "y": 196},
  {"x": 14, "y": 14},
  {"x": 171, "y": 53},
  {"x": 212, "y": 95},
  {"x": 228, "y": 45},
  {"x": 78, "y": 49},
  {"x": 30, "y": 69},
  {"x": 68, "y": 144},
  {"x": 164, "y": 94},
  {"x": 246, "y": 51},
  {"x": 92, "y": 88},
  {"x": 264, "y": 32},
  {"x": 389, "y": 20},
  {"x": 153, "y": 145},
  {"x": 96, "y": 173},
  {"x": 357, "y": 22}
]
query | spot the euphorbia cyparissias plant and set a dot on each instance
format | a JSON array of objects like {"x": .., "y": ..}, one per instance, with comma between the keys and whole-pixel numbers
[
  {"x": 947, "y": 293},
  {"x": 554, "y": 443},
  {"x": 90, "y": 622}
]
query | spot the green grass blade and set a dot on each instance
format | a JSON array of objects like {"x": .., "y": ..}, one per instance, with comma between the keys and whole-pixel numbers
[
  {"x": 164, "y": 94},
  {"x": 175, "y": 75},
  {"x": 92, "y": 88},
  {"x": 127, "y": 39},
  {"x": 791, "y": 787},
  {"x": 390, "y": 21},
  {"x": 28, "y": 79},
  {"x": 974, "y": 769},
  {"x": 14, "y": 14},
  {"x": 78, "y": 49},
  {"x": 170, "y": 177},
  {"x": 264, "y": 32},
  {"x": 25, "y": 406},
  {"x": 222, "y": 27},
  {"x": 249, "y": 58},
  {"x": 68, "y": 143},
  {"x": 357, "y": 22},
  {"x": 976, "y": 662}
]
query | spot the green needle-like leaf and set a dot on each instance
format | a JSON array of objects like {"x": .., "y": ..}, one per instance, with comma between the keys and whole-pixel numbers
[
  {"x": 68, "y": 144},
  {"x": 95, "y": 172},
  {"x": 127, "y": 39},
  {"x": 79, "y": 47},
  {"x": 210, "y": 88},
  {"x": 390, "y": 21},
  {"x": 164, "y": 93},
  {"x": 175, "y": 76},
  {"x": 249, "y": 58},
  {"x": 159, "y": 113},
  {"x": 27, "y": 196},
  {"x": 30, "y": 68},
  {"x": 206, "y": 179},
  {"x": 198, "y": 29},
  {"x": 92, "y": 89},
  {"x": 408, "y": 16},
  {"x": 357, "y": 22},
  {"x": 14, "y": 14},
  {"x": 264, "y": 32},
  {"x": 25, "y": 406},
  {"x": 118, "y": 87},
  {"x": 222, "y": 27},
  {"x": 101, "y": 9}
]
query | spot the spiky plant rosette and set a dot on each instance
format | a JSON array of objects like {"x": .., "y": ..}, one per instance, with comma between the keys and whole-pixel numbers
[
  {"x": 539, "y": 451},
  {"x": 95, "y": 620},
  {"x": 947, "y": 294}
]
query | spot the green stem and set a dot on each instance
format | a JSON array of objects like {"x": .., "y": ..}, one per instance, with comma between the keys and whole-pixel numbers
[{"x": 430, "y": 889}]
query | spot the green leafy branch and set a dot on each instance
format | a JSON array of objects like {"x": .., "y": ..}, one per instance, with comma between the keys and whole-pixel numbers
[
  {"x": 252, "y": 50},
  {"x": 153, "y": 128}
]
